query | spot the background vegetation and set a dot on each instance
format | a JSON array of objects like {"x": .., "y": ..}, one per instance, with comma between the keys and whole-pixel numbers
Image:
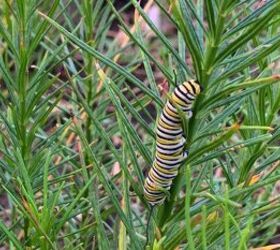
[{"x": 82, "y": 83}]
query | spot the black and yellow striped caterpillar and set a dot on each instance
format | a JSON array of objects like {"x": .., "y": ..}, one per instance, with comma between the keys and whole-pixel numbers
[{"x": 170, "y": 142}]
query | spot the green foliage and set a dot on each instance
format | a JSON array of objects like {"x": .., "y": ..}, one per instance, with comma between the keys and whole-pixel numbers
[{"x": 70, "y": 89}]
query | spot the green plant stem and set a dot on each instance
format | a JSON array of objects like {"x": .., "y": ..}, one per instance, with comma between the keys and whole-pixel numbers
[
  {"x": 210, "y": 54},
  {"x": 207, "y": 68},
  {"x": 165, "y": 211}
]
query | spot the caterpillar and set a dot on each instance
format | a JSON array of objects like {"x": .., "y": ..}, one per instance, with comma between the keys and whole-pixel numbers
[{"x": 170, "y": 142}]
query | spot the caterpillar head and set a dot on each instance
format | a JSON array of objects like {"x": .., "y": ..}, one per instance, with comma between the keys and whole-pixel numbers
[
  {"x": 197, "y": 87},
  {"x": 193, "y": 87}
]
